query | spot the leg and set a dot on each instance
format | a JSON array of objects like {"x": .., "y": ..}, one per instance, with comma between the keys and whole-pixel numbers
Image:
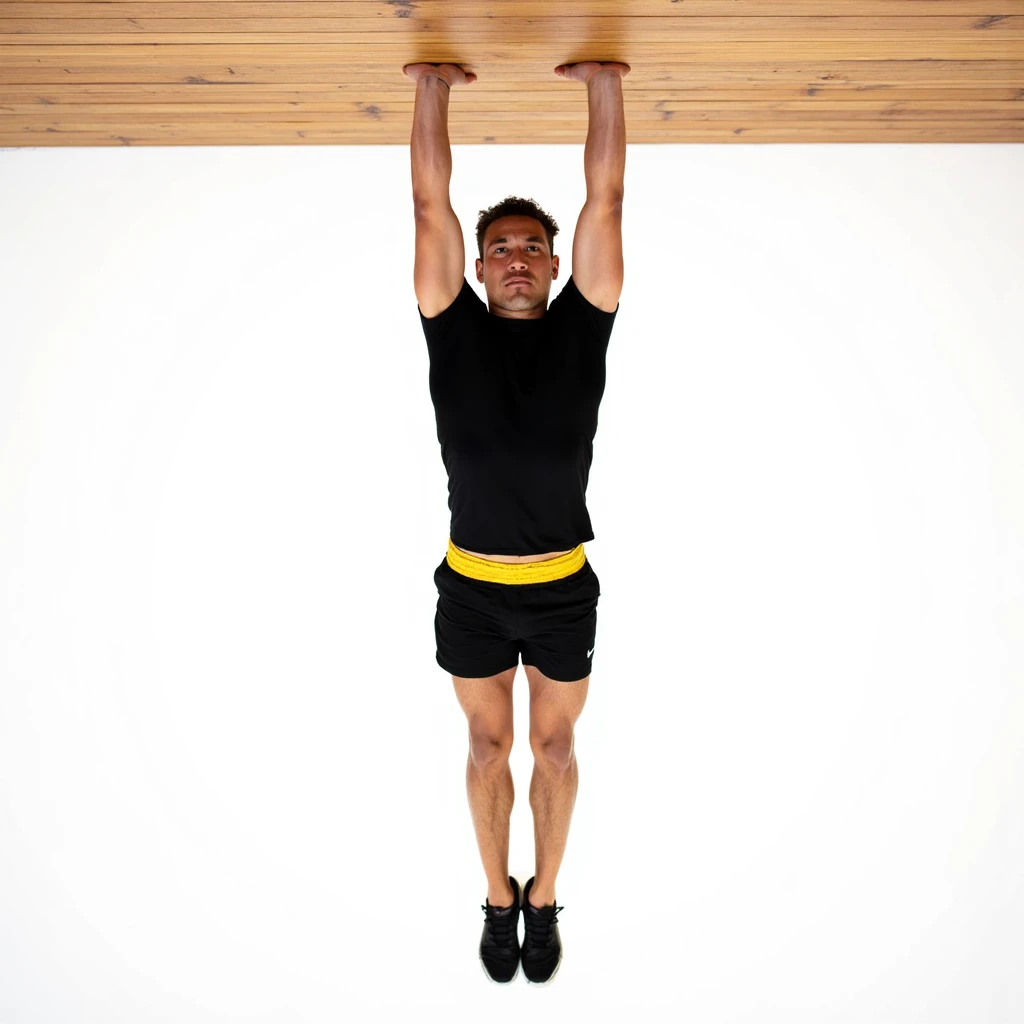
[
  {"x": 554, "y": 708},
  {"x": 487, "y": 703}
]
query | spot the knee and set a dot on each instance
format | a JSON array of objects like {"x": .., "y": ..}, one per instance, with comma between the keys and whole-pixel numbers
[
  {"x": 554, "y": 750},
  {"x": 488, "y": 749}
]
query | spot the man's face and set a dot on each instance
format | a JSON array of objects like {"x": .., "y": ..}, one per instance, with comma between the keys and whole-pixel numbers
[{"x": 517, "y": 247}]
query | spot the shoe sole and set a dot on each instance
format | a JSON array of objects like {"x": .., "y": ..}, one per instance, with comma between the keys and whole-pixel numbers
[
  {"x": 492, "y": 981},
  {"x": 541, "y": 984}
]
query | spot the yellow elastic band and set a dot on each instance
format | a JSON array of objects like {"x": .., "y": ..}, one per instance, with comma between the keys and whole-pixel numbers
[{"x": 516, "y": 572}]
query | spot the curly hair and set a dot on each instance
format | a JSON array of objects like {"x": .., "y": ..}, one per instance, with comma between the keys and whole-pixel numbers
[{"x": 513, "y": 206}]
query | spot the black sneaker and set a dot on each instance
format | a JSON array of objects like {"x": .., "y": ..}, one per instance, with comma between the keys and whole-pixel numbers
[
  {"x": 499, "y": 944},
  {"x": 542, "y": 946}
]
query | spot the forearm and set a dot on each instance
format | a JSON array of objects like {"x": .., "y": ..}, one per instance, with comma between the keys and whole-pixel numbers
[
  {"x": 430, "y": 147},
  {"x": 604, "y": 159}
]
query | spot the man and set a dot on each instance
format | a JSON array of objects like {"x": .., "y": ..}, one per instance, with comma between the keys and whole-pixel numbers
[{"x": 516, "y": 388}]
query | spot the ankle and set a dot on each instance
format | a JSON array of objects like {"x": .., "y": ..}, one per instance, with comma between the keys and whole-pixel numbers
[
  {"x": 501, "y": 899},
  {"x": 539, "y": 899}
]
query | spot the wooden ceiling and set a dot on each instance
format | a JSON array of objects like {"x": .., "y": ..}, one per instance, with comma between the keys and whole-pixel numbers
[{"x": 301, "y": 72}]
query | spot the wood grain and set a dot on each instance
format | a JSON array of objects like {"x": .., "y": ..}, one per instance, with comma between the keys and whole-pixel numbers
[{"x": 234, "y": 72}]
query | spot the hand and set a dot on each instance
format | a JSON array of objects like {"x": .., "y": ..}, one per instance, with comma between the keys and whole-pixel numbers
[
  {"x": 582, "y": 72},
  {"x": 451, "y": 74}
]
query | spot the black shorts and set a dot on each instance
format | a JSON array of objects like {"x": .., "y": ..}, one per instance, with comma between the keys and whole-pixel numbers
[{"x": 481, "y": 627}]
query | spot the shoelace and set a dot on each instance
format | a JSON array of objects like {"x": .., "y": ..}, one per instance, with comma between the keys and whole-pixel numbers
[
  {"x": 539, "y": 926},
  {"x": 503, "y": 927}
]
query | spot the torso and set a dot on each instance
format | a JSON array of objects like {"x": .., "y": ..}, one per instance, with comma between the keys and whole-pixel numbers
[{"x": 516, "y": 558}]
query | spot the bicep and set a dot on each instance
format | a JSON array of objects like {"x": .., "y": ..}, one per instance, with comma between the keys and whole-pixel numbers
[
  {"x": 440, "y": 259},
  {"x": 597, "y": 254}
]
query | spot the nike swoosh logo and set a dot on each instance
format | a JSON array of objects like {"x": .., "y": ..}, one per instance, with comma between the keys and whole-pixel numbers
[{"x": 590, "y": 652}]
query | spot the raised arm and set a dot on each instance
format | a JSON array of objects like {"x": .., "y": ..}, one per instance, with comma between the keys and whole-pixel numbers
[
  {"x": 597, "y": 268},
  {"x": 604, "y": 158},
  {"x": 440, "y": 248},
  {"x": 430, "y": 148}
]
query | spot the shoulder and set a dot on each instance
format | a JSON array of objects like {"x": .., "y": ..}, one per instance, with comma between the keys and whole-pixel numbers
[
  {"x": 576, "y": 298},
  {"x": 466, "y": 305}
]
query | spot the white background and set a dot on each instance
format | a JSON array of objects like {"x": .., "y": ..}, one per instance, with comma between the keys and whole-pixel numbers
[{"x": 232, "y": 774}]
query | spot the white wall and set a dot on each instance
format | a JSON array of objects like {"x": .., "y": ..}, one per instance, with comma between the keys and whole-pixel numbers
[{"x": 227, "y": 755}]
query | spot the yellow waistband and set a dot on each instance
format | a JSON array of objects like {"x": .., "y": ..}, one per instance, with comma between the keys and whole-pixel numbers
[{"x": 516, "y": 572}]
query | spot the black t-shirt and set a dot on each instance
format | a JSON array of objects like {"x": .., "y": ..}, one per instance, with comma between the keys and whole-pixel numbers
[{"x": 516, "y": 407}]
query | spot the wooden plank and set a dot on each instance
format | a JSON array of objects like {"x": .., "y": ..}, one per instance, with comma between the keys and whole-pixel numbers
[
  {"x": 520, "y": 9},
  {"x": 207, "y": 72},
  {"x": 763, "y": 110},
  {"x": 823, "y": 132},
  {"x": 544, "y": 31},
  {"x": 388, "y": 59},
  {"x": 203, "y": 70},
  {"x": 314, "y": 96}
]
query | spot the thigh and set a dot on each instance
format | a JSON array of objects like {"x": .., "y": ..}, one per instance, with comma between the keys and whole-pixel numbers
[
  {"x": 555, "y": 707},
  {"x": 487, "y": 703},
  {"x": 473, "y": 627}
]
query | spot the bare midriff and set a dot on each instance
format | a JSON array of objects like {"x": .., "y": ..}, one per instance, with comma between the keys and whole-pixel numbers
[{"x": 516, "y": 558}]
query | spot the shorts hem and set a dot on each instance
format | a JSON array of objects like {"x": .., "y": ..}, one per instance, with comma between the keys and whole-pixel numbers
[{"x": 473, "y": 671}]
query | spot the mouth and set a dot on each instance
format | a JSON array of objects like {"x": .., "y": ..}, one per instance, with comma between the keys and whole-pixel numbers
[{"x": 518, "y": 280}]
